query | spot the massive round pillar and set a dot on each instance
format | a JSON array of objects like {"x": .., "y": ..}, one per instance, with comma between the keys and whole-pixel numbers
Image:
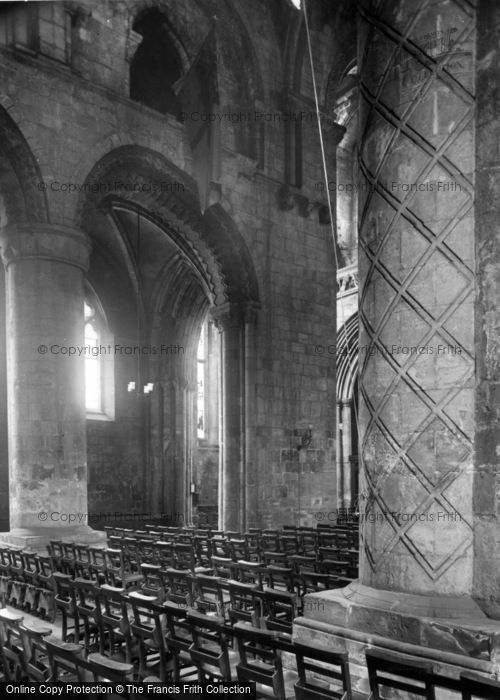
[
  {"x": 416, "y": 269},
  {"x": 45, "y": 266}
]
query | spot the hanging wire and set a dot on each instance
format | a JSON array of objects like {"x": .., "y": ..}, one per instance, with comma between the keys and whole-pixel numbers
[{"x": 350, "y": 356}]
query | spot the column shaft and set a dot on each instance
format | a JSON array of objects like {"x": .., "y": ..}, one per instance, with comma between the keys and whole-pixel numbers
[
  {"x": 417, "y": 301},
  {"x": 45, "y": 267}
]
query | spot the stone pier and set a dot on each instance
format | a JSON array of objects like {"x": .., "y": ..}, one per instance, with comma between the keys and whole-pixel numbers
[
  {"x": 418, "y": 317},
  {"x": 45, "y": 265}
]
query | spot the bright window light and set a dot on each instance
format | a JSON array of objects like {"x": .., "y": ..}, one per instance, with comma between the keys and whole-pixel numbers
[{"x": 93, "y": 398}]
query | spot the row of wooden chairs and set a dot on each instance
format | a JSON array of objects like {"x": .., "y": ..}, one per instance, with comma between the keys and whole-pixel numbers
[
  {"x": 109, "y": 566},
  {"x": 248, "y": 545},
  {"x": 197, "y": 647},
  {"x": 330, "y": 566}
]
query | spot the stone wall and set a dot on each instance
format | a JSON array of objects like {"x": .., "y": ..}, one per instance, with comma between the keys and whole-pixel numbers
[{"x": 73, "y": 111}]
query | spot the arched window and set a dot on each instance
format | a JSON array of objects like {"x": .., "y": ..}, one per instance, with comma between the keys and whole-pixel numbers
[
  {"x": 93, "y": 373},
  {"x": 99, "y": 365},
  {"x": 201, "y": 381},
  {"x": 155, "y": 67},
  {"x": 208, "y": 380}
]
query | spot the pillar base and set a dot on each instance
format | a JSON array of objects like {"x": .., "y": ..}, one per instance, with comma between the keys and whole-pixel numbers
[
  {"x": 37, "y": 539},
  {"x": 451, "y": 632}
]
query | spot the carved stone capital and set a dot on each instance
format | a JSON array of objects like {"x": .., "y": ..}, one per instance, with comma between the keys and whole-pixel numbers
[
  {"x": 228, "y": 316},
  {"x": 51, "y": 242}
]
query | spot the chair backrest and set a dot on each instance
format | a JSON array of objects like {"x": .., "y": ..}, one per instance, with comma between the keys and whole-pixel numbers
[
  {"x": 66, "y": 658},
  {"x": 178, "y": 586},
  {"x": 147, "y": 614},
  {"x": 184, "y": 556},
  {"x": 35, "y": 650},
  {"x": 207, "y": 594},
  {"x": 62, "y": 587},
  {"x": 222, "y": 566},
  {"x": 148, "y": 626},
  {"x": 106, "y": 669},
  {"x": 260, "y": 658},
  {"x": 319, "y": 668},
  {"x": 164, "y": 554},
  {"x": 153, "y": 583},
  {"x": 280, "y": 608},
  {"x": 209, "y": 649},
  {"x": 11, "y": 645},
  {"x": 245, "y": 604},
  {"x": 399, "y": 672},
  {"x": 475, "y": 686},
  {"x": 178, "y": 636},
  {"x": 289, "y": 543},
  {"x": 238, "y": 549}
]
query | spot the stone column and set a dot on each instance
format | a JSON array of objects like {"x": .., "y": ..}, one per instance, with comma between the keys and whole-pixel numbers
[
  {"x": 229, "y": 320},
  {"x": 45, "y": 267},
  {"x": 416, "y": 262},
  {"x": 251, "y": 502},
  {"x": 418, "y": 438}
]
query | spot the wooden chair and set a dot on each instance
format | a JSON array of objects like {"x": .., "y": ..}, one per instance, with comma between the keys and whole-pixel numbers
[
  {"x": 164, "y": 554},
  {"x": 289, "y": 544},
  {"x": 46, "y": 596},
  {"x": 238, "y": 549},
  {"x": 33, "y": 636},
  {"x": 185, "y": 559},
  {"x": 56, "y": 554},
  {"x": 280, "y": 578},
  {"x": 398, "y": 672},
  {"x": 66, "y": 661},
  {"x": 178, "y": 586},
  {"x": 279, "y": 608},
  {"x": 252, "y": 543},
  {"x": 64, "y": 601},
  {"x": 152, "y": 583},
  {"x": 260, "y": 662},
  {"x": 323, "y": 673},
  {"x": 18, "y": 584},
  {"x": 244, "y": 606},
  {"x": 149, "y": 627},
  {"x": 202, "y": 549},
  {"x": 249, "y": 572},
  {"x": 108, "y": 670},
  {"x": 222, "y": 567},
  {"x": 475, "y": 686},
  {"x": 68, "y": 664},
  {"x": 179, "y": 639},
  {"x": 114, "y": 621},
  {"x": 69, "y": 557},
  {"x": 308, "y": 542},
  {"x": 120, "y": 571},
  {"x": 208, "y": 596},
  {"x": 97, "y": 566},
  {"x": 31, "y": 577},
  {"x": 5, "y": 577},
  {"x": 83, "y": 561},
  {"x": 269, "y": 541},
  {"x": 210, "y": 650},
  {"x": 85, "y": 593},
  {"x": 11, "y": 646}
]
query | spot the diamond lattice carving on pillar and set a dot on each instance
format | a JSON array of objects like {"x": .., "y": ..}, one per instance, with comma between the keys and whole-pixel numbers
[{"x": 417, "y": 293}]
